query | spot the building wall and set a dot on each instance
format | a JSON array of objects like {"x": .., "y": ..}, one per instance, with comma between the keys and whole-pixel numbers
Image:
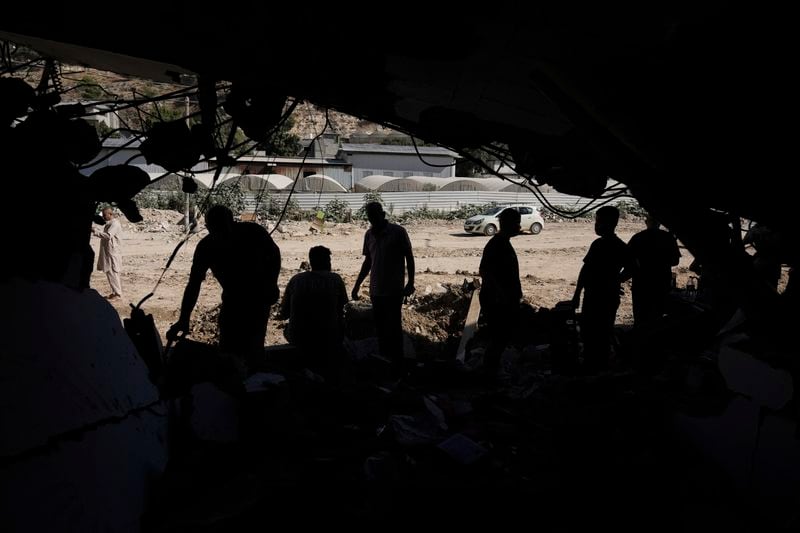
[
  {"x": 123, "y": 155},
  {"x": 398, "y": 165}
]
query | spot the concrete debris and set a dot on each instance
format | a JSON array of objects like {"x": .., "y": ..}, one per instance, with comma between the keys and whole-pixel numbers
[{"x": 462, "y": 449}]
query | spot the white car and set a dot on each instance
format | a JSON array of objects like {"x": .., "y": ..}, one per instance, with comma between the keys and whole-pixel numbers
[{"x": 488, "y": 224}]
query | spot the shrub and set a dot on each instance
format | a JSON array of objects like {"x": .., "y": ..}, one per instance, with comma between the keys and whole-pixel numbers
[
  {"x": 630, "y": 209},
  {"x": 172, "y": 200},
  {"x": 338, "y": 210},
  {"x": 372, "y": 196},
  {"x": 470, "y": 210},
  {"x": 423, "y": 213},
  {"x": 90, "y": 89},
  {"x": 550, "y": 216},
  {"x": 271, "y": 207},
  {"x": 229, "y": 195}
]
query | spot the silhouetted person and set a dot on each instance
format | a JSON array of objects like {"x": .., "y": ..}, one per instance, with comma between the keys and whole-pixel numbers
[
  {"x": 314, "y": 304},
  {"x": 109, "y": 260},
  {"x": 387, "y": 250},
  {"x": 655, "y": 252},
  {"x": 501, "y": 291},
  {"x": 606, "y": 265},
  {"x": 246, "y": 262}
]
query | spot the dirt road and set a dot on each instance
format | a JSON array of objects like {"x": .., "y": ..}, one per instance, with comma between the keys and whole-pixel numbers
[{"x": 549, "y": 262}]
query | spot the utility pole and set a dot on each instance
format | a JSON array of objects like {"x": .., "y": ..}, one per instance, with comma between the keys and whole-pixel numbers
[{"x": 186, "y": 194}]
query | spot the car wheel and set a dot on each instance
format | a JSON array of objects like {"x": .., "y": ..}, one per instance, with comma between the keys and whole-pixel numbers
[
  {"x": 536, "y": 228},
  {"x": 490, "y": 229}
]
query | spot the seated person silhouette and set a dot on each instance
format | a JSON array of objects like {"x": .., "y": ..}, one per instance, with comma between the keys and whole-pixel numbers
[{"x": 314, "y": 304}]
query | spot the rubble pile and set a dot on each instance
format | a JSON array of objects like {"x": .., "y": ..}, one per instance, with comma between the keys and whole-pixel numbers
[
  {"x": 542, "y": 441},
  {"x": 443, "y": 310},
  {"x": 204, "y": 325},
  {"x": 155, "y": 221}
]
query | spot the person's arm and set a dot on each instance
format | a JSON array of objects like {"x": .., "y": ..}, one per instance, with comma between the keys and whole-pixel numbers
[
  {"x": 274, "y": 269},
  {"x": 576, "y": 298},
  {"x": 342, "y": 294},
  {"x": 584, "y": 273},
  {"x": 628, "y": 268},
  {"x": 190, "y": 295},
  {"x": 489, "y": 284},
  {"x": 113, "y": 230},
  {"x": 365, "y": 267},
  {"x": 286, "y": 303},
  {"x": 410, "y": 267},
  {"x": 341, "y": 302}
]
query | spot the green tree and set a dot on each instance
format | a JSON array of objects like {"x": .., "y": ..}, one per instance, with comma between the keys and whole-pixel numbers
[
  {"x": 89, "y": 89},
  {"x": 467, "y": 167},
  {"x": 283, "y": 142}
]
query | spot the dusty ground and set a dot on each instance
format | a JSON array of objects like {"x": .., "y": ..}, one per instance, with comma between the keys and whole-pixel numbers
[{"x": 549, "y": 266}]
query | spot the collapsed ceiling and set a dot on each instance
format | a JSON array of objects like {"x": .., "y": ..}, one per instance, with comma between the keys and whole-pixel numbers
[{"x": 680, "y": 105}]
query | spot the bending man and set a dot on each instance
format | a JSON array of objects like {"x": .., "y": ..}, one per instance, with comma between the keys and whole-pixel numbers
[{"x": 246, "y": 262}]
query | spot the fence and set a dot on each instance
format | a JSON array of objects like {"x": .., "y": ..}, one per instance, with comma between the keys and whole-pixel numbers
[{"x": 400, "y": 202}]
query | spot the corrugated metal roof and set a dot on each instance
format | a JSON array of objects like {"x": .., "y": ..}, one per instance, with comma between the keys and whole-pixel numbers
[
  {"x": 291, "y": 160},
  {"x": 116, "y": 142},
  {"x": 397, "y": 149}
]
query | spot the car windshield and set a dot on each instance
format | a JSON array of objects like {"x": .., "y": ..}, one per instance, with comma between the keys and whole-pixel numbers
[{"x": 493, "y": 211}]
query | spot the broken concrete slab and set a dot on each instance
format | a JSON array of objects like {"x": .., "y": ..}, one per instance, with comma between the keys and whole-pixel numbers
[
  {"x": 462, "y": 449},
  {"x": 82, "y": 431},
  {"x": 470, "y": 325},
  {"x": 767, "y": 386}
]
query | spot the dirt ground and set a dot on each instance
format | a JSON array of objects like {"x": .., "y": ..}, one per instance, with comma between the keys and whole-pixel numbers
[{"x": 445, "y": 257}]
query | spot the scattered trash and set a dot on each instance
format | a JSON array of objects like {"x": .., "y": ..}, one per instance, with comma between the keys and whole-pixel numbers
[
  {"x": 415, "y": 431},
  {"x": 263, "y": 381},
  {"x": 463, "y": 449}
]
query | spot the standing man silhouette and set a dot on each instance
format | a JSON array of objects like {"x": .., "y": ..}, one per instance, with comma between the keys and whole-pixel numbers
[
  {"x": 387, "y": 250},
  {"x": 501, "y": 291},
  {"x": 655, "y": 252},
  {"x": 606, "y": 265}
]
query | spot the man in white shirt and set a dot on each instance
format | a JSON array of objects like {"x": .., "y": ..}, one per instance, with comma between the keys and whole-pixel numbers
[
  {"x": 109, "y": 260},
  {"x": 387, "y": 249}
]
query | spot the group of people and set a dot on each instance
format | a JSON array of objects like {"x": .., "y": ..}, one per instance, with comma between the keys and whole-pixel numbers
[
  {"x": 246, "y": 262},
  {"x": 647, "y": 258}
]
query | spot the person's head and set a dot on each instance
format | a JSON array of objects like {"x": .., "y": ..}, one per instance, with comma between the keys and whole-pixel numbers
[
  {"x": 108, "y": 213},
  {"x": 320, "y": 258},
  {"x": 651, "y": 222},
  {"x": 219, "y": 219},
  {"x": 375, "y": 213},
  {"x": 509, "y": 222},
  {"x": 605, "y": 220}
]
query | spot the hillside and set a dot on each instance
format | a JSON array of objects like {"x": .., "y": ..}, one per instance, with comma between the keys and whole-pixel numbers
[{"x": 83, "y": 83}]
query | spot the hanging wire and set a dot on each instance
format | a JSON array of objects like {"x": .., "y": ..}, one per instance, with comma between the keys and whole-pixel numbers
[
  {"x": 419, "y": 156},
  {"x": 294, "y": 184},
  {"x": 322, "y": 165},
  {"x": 274, "y": 131}
]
